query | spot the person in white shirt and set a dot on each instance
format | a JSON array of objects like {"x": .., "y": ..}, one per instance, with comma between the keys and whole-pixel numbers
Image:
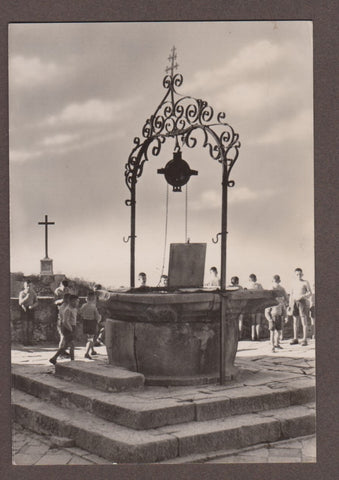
[
  {"x": 28, "y": 301},
  {"x": 214, "y": 279},
  {"x": 299, "y": 306}
]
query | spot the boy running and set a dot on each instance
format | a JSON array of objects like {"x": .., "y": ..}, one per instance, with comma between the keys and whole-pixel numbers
[
  {"x": 90, "y": 317},
  {"x": 68, "y": 322}
]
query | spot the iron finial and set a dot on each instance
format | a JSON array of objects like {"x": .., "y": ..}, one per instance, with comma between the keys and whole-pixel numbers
[{"x": 172, "y": 58}]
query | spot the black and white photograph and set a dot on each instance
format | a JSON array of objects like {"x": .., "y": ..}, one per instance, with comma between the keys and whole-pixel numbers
[{"x": 162, "y": 259}]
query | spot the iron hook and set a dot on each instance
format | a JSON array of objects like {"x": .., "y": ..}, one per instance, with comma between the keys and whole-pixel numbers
[
  {"x": 216, "y": 238},
  {"x": 128, "y": 238}
]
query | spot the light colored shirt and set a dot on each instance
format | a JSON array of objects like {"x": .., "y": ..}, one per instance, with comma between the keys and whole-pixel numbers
[
  {"x": 69, "y": 317},
  {"x": 62, "y": 308},
  {"x": 254, "y": 286},
  {"x": 28, "y": 298},
  {"x": 239, "y": 287},
  {"x": 89, "y": 311},
  {"x": 59, "y": 294},
  {"x": 214, "y": 282}
]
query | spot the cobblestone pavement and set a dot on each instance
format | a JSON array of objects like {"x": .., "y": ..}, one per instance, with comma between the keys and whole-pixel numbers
[
  {"x": 29, "y": 448},
  {"x": 32, "y": 449}
]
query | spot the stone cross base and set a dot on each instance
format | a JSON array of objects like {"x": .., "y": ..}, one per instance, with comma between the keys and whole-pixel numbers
[{"x": 46, "y": 266}]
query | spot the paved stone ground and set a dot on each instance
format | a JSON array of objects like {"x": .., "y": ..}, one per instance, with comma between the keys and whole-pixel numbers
[{"x": 30, "y": 448}]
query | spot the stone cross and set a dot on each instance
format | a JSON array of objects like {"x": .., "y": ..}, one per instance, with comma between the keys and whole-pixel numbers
[
  {"x": 46, "y": 223},
  {"x": 172, "y": 59}
]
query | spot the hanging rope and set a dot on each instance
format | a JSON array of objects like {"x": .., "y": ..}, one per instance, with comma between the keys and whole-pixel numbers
[
  {"x": 186, "y": 200},
  {"x": 165, "y": 236}
]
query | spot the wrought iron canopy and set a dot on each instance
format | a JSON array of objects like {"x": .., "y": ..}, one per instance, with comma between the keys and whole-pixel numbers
[{"x": 180, "y": 117}]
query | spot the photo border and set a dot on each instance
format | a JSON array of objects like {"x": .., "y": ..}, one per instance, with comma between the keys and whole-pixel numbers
[{"x": 325, "y": 39}]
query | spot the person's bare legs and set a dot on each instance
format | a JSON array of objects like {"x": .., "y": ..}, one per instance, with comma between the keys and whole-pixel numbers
[
  {"x": 253, "y": 332},
  {"x": 272, "y": 340},
  {"x": 241, "y": 323},
  {"x": 295, "y": 329},
  {"x": 258, "y": 324},
  {"x": 304, "y": 325}
]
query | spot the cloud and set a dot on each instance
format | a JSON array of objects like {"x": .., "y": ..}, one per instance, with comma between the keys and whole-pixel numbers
[
  {"x": 31, "y": 71},
  {"x": 61, "y": 144},
  {"x": 299, "y": 127},
  {"x": 59, "y": 139},
  {"x": 250, "y": 59},
  {"x": 211, "y": 199},
  {"x": 249, "y": 97},
  {"x": 260, "y": 79},
  {"x": 244, "y": 194},
  {"x": 18, "y": 156},
  {"x": 93, "y": 111}
]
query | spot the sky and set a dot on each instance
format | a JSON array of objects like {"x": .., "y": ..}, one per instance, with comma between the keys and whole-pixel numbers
[{"x": 79, "y": 93}]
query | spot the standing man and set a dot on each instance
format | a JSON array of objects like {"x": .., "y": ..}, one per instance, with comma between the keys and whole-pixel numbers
[
  {"x": 298, "y": 305},
  {"x": 256, "y": 317},
  {"x": 235, "y": 284},
  {"x": 28, "y": 301}
]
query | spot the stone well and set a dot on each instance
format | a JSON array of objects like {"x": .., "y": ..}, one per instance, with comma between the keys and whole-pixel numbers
[{"x": 174, "y": 338}]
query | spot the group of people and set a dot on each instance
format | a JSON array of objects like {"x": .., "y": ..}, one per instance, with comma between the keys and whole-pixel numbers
[
  {"x": 142, "y": 280},
  {"x": 300, "y": 305},
  {"x": 68, "y": 311}
]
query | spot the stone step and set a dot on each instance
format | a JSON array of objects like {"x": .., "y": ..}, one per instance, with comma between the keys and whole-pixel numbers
[
  {"x": 131, "y": 410},
  {"x": 157, "y": 407},
  {"x": 100, "y": 375},
  {"x": 124, "y": 445},
  {"x": 108, "y": 440}
]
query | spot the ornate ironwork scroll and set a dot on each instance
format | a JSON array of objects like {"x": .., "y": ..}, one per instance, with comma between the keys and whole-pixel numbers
[{"x": 180, "y": 117}]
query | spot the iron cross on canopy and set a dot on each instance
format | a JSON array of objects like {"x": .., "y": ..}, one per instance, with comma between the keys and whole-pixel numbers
[
  {"x": 172, "y": 58},
  {"x": 46, "y": 223}
]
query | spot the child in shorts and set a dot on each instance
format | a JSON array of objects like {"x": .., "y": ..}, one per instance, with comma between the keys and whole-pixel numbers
[
  {"x": 68, "y": 322},
  {"x": 90, "y": 318},
  {"x": 61, "y": 309},
  {"x": 276, "y": 314}
]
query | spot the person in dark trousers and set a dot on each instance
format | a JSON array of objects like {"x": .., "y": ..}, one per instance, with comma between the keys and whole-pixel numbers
[{"x": 28, "y": 301}]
